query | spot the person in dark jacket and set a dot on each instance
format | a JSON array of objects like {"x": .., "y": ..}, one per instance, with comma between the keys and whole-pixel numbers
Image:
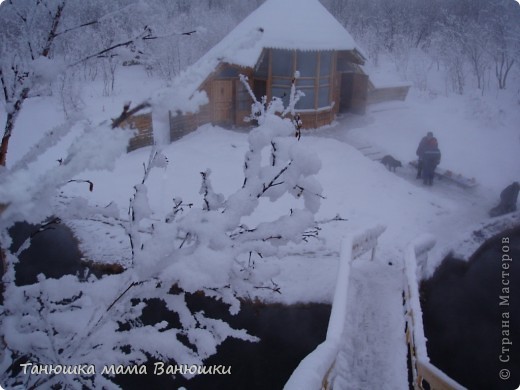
[
  {"x": 508, "y": 199},
  {"x": 431, "y": 157},
  {"x": 420, "y": 152}
]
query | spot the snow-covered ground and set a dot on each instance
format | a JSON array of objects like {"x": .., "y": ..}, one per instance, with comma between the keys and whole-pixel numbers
[{"x": 478, "y": 136}]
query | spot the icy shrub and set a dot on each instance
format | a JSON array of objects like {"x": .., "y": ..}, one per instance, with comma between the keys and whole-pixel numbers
[{"x": 96, "y": 323}]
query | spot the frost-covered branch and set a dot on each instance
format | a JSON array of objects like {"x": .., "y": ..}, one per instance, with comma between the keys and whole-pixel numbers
[
  {"x": 260, "y": 108},
  {"x": 31, "y": 200},
  {"x": 127, "y": 113},
  {"x": 56, "y": 19},
  {"x": 294, "y": 96},
  {"x": 139, "y": 208},
  {"x": 189, "y": 250},
  {"x": 212, "y": 200},
  {"x": 91, "y": 23},
  {"x": 273, "y": 181},
  {"x": 145, "y": 34}
]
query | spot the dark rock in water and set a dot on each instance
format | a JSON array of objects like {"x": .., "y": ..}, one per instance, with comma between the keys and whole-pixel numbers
[
  {"x": 508, "y": 199},
  {"x": 471, "y": 312}
]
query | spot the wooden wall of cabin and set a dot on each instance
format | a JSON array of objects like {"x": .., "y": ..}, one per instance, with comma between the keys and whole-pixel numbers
[
  {"x": 378, "y": 95},
  {"x": 353, "y": 84},
  {"x": 229, "y": 100},
  {"x": 144, "y": 126},
  {"x": 315, "y": 119},
  {"x": 353, "y": 92},
  {"x": 229, "y": 103},
  {"x": 243, "y": 103},
  {"x": 183, "y": 124}
]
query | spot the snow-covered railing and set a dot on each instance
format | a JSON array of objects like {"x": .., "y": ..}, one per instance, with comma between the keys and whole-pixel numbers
[
  {"x": 313, "y": 371},
  {"x": 422, "y": 369}
]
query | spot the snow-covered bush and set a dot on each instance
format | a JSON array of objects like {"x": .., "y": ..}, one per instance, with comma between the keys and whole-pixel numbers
[{"x": 86, "y": 324}]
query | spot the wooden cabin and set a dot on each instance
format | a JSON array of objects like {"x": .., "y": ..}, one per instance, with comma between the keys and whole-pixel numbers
[
  {"x": 329, "y": 84},
  {"x": 276, "y": 40},
  {"x": 269, "y": 46}
]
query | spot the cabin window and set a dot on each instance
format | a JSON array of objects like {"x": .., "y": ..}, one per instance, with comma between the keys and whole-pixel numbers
[
  {"x": 306, "y": 63},
  {"x": 325, "y": 79},
  {"x": 306, "y": 102},
  {"x": 307, "y": 82},
  {"x": 282, "y": 93},
  {"x": 315, "y": 76},
  {"x": 282, "y": 63},
  {"x": 243, "y": 98},
  {"x": 324, "y": 96},
  {"x": 325, "y": 63},
  {"x": 262, "y": 68}
]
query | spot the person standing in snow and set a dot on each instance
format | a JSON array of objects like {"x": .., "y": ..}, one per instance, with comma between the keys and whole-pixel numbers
[
  {"x": 420, "y": 152},
  {"x": 431, "y": 157}
]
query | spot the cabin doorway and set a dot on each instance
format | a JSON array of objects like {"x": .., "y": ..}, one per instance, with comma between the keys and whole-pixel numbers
[
  {"x": 353, "y": 95},
  {"x": 222, "y": 97}
]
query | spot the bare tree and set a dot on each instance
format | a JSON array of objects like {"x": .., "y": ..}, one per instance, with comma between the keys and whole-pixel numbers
[
  {"x": 475, "y": 44},
  {"x": 15, "y": 75},
  {"x": 502, "y": 23}
]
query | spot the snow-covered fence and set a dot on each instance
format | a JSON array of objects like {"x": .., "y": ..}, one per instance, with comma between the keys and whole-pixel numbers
[
  {"x": 422, "y": 369},
  {"x": 182, "y": 124},
  {"x": 385, "y": 94},
  {"x": 313, "y": 371}
]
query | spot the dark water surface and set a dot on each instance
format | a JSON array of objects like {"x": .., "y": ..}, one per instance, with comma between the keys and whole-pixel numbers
[
  {"x": 469, "y": 331},
  {"x": 53, "y": 252},
  {"x": 287, "y": 333}
]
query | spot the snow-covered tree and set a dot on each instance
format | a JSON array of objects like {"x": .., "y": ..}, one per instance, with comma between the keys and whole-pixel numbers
[
  {"x": 464, "y": 37},
  {"x": 27, "y": 56},
  {"x": 41, "y": 40},
  {"x": 85, "y": 323},
  {"x": 26, "y": 38}
]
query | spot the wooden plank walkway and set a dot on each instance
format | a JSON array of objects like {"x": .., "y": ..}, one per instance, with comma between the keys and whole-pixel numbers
[{"x": 373, "y": 354}]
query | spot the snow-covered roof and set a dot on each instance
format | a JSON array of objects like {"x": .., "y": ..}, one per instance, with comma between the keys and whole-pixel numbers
[
  {"x": 277, "y": 24},
  {"x": 283, "y": 24}
]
